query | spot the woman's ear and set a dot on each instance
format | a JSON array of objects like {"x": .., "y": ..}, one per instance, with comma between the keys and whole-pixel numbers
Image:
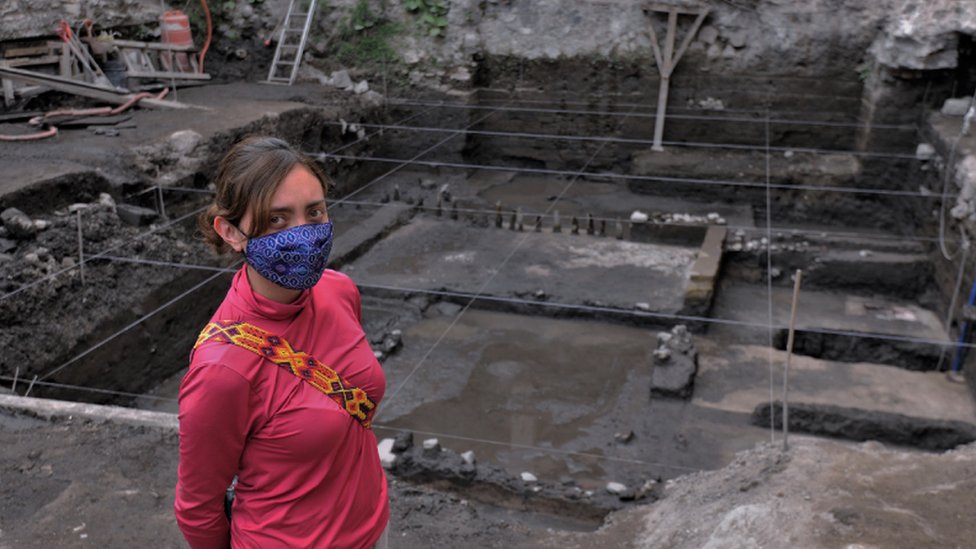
[{"x": 230, "y": 234}]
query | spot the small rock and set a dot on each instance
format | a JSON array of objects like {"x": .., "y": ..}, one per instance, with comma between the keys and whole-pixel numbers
[
  {"x": 714, "y": 51},
  {"x": 775, "y": 273},
  {"x": 624, "y": 437},
  {"x": 181, "y": 144},
  {"x": 403, "y": 441},
  {"x": 7, "y": 245},
  {"x": 379, "y": 355},
  {"x": 17, "y": 223},
  {"x": 662, "y": 355},
  {"x": 105, "y": 199},
  {"x": 372, "y": 98},
  {"x": 788, "y": 154},
  {"x": 528, "y": 477},
  {"x": 738, "y": 39},
  {"x": 616, "y": 488},
  {"x": 663, "y": 338},
  {"x": 137, "y": 216},
  {"x": 955, "y": 106},
  {"x": 468, "y": 457},
  {"x": 432, "y": 444},
  {"x": 445, "y": 308},
  {"x": 460, "y": 74},
  {"x": 728, "y": 52},
  {"x": 864, "y": 253},
  {"x": 41, "y": 224},
  {"x": 539, "y": 294},
  {"x": 708, "y": 34},
  {"x": 445, "y": 192},
  {"x": 411, "y": 57},
  {"x": 391, "y": 341},
  {"x": 361, "y": 87},
  {"x": 68, "y": 262},
  {"x": 387, "y": 457},
  {"x": 638, "y": 217},
  {"x": 32, "y": 258},
  {"x": 710, "y": 103},
  {"x": 341, "y": 79},
  {"x": 924, "y": 151},
  {"x": 642, "y": 306},
  {"x": 427, "y": 184},
  {"x": 78, "y": 206}
]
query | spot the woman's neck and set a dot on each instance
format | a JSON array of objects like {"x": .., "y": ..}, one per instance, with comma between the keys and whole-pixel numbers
[{"x": 265, "y": 288}]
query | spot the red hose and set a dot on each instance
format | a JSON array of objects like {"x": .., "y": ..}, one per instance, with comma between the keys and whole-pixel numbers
[
  {"x": 206, "y": 45},
  {"x": 100, "y": 111},
  {"x": 51, "y": 131}
]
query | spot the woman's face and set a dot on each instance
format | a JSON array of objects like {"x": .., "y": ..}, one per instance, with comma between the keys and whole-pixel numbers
[{"x": 298, "y": 200}]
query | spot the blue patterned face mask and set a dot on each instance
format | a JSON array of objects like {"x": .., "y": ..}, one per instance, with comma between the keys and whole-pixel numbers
[{"x": 293, "y": 258}]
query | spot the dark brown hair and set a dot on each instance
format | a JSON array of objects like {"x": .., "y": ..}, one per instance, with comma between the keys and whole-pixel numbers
[{"x": 247, "y": 178}]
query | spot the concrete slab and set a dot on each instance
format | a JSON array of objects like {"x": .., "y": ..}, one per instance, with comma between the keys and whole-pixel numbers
[
  {"x": 432, "y": 254},
  {"x": 819, "y": 309},
  {"x": 735, "y": 378}
]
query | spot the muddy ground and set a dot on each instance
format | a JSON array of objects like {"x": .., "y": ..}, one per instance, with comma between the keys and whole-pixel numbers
[
  {"x": 68, "y": 478},
  {"x": 65, "y": 483}
]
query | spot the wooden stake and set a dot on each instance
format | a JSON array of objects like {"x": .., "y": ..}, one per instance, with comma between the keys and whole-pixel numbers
[{"x": 789, "y": 354}]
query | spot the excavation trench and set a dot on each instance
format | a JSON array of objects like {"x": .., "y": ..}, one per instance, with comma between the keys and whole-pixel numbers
[{"x": 532, "y": 347}]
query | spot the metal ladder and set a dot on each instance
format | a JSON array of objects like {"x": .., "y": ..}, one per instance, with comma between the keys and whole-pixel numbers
[{"x": 291, "y": 43}]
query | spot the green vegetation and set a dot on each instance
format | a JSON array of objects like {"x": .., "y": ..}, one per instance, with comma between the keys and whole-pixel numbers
[
  {"x": 365, "y": 37},
  {"x": 433, "y": 15}
]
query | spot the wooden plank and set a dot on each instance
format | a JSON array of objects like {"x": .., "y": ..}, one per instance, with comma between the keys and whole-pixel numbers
[
  {"x": 84, "y": 89},
  {"x": 168, "y": 75},
  {"x": 24, "y": 52},
  {"x": 152, "y": 46},
  {"x": 30, "y": 61}
]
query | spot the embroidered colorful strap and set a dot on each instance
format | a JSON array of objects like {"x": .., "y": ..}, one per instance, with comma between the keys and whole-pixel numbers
[{"x": 248, "y": 336}]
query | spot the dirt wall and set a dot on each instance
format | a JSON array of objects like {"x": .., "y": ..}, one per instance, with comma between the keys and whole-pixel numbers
[{"x": 37, "y": 18}]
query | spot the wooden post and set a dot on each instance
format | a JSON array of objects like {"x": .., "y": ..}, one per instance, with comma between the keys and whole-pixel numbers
[
  {"x": 667, "y": 60},
  {"x": 789, "y": 354}
]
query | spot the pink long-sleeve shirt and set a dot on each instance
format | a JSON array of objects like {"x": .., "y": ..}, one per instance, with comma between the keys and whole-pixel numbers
[{"x": 308, "y": 474}]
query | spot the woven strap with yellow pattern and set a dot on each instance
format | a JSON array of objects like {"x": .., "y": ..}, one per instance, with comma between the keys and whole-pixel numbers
[{"x": 260, "y": 342}]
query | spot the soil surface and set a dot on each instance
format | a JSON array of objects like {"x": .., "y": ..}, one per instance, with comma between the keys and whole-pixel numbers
[{"x": 67, "y": 480}]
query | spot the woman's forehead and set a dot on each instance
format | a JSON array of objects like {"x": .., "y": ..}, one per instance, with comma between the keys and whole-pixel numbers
[{"x": 299, "y": 188}]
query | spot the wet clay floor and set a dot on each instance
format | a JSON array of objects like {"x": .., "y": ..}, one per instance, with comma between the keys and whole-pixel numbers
[{"x": 548, "y": 396}]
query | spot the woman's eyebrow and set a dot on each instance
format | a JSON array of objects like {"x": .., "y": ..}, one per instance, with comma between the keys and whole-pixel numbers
[{"x": 290, "y": 209}]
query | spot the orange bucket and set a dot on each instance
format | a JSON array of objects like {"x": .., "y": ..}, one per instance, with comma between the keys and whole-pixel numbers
[{"x": 174, "y": 28}]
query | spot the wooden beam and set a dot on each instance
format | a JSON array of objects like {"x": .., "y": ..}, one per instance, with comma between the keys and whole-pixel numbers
[
  {"x": 167, "y": 75},
  {"x": 153, "y": 46},
  {"x": 84, "y": 89},
  {"x": 689, "y": 37}
]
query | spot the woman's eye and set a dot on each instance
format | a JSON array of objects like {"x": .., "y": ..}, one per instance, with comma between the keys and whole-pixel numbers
[
  {"x": 316, "y": 212},
  {"x": 276, "y": 219}
]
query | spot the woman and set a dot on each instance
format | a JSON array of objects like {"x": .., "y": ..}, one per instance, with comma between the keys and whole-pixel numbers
[{"x": 253, "y": 403}]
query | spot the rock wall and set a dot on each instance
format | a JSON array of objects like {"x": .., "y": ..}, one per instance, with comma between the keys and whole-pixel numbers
[{"x": 38, "y": 18}]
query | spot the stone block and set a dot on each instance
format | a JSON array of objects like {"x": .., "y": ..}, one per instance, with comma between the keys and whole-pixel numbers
[
  {"x": 137, "y": 216},
  {"x": 955, "y": 106},
  {"x": 387, "y": 457},
  {"x": 18, "y": 224},
  {"x": 708, "y": 34}
]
